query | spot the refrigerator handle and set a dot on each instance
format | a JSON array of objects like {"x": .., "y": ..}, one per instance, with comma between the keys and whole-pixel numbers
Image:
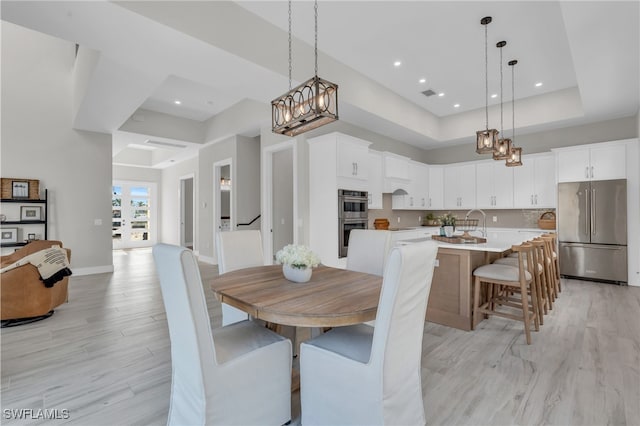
[
  {"x": 593, "y": 212},
  {"x": 586, "y": 209}
]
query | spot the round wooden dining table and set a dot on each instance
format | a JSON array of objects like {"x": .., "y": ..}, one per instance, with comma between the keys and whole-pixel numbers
[{"x": 333, "y": 297}]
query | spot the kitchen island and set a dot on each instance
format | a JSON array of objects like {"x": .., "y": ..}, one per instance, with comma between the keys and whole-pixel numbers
[{"x": 451, "y": 297}]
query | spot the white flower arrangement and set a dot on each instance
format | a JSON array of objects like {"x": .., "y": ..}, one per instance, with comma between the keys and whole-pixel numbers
[{"x": 296, "y": 256}]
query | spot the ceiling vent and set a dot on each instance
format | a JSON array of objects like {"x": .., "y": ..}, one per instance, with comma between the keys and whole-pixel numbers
[
  {"x": 164, "y": 144},
  {"x": 428, "y": 92}
]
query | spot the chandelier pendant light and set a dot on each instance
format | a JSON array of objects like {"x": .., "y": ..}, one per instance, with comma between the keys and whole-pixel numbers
[
  {"x": 486, "y": 139},
  {"x": 503, "y": 145},
  {"x": 308, "y": 106},
  {"x": 515, "y": 154}
]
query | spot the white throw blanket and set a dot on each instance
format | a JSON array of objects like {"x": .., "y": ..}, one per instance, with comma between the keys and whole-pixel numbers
[{"x": 52, "y": 264}]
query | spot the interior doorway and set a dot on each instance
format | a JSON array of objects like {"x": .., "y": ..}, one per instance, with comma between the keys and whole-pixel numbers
[
  {"x": 223, "y": 196},
  {"x": 282, "y": 205},
  {"x": 279, "y": 198},
  {"x": 187, "y": 211}
]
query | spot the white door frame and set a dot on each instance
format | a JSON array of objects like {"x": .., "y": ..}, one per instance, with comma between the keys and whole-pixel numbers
[
  {"x": 267, "y": 196},
  {"x": 154, "y": 225},
  {"x": 182, "y": 180},
  {"x": 217, "y": 201}
]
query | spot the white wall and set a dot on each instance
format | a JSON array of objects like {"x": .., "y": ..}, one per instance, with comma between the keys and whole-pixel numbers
[
  {"x": 39, "y": 143},
  {"x": 169, "y": 189}
]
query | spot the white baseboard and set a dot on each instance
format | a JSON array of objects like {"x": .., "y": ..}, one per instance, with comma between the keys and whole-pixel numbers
[
  {"x": 91, "y": 270},
  {"x": 207, "y": 259}
]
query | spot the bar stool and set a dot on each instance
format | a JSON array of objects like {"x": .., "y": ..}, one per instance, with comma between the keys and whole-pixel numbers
[
  {"x": 556, "y": 262},
  {"x": 550, "y": 270},
  {"x": 540, "y": 276},
  {"x": 503, "y": 278}
]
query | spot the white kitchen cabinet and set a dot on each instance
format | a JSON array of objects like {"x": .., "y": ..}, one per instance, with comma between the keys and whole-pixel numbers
[
  {"x": 376, "y": 180},
  {"x": 352, "y": 157},
  {"x": 603, "y": 161},
  {"x": 417, "y": 189},
  {"x": 436, "y": 188},
  {"x": 494, "y": 185},
  {"x": 395, "y": 171},
  {"x": 420, "y": 185},
  {"x": 534, "y": 183},
  {"x": 328, "y": 172},
  {"x": 460, "y": 186}
]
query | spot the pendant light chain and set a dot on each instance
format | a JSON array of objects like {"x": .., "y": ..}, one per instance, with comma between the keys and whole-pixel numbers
[
  {"x": 486, "y": 80},
  {"x": 513, "y": 102},
  {"x": 315, "y": 8},
  {"x": 290, "y": 45},
  {"x": 501, "y": 114}
]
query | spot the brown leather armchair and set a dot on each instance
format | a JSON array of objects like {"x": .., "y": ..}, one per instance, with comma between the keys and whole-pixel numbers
[{"x": 22, "y": 292}]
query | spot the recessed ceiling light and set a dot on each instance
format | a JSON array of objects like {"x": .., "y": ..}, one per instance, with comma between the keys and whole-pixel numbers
[
  {"x": 456, "y": 106},
  {"x": 397, "y": 63},
  {"x": 539, "y": 84},
  {"x": 177, "y": 102},
  {"x": 495, "y": 95},
  {"x": 441, "y": 94},
  {"x": 423, "y": 80}
]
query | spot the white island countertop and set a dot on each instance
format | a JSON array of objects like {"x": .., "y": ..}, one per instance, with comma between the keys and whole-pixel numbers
[{"x": 498, "y": 241}]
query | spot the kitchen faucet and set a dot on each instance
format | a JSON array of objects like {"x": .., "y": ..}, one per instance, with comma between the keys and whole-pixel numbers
[{"x": 484, "y": 221}]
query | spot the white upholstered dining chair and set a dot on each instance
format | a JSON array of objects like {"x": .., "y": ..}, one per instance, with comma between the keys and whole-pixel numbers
[
  {"x": 239, "y": 374},
  {"x": 361, "y": 375},
  {"x": 237, "y": 250},
  {"x": 368, "y": 250}
]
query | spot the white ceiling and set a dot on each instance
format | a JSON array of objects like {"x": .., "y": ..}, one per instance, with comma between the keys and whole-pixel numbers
[{"x": 154, "y": 53}]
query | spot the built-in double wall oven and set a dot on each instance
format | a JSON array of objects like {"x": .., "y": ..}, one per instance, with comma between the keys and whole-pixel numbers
[{"x": 353, "y": 213}]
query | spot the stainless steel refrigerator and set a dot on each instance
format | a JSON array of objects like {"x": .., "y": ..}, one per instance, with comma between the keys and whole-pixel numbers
[{"x": 592, "y": 230}]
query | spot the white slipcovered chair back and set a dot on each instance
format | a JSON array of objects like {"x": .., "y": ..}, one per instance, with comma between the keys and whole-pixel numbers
[
  {"x": 237, "y": 250},
  {"x": 244, "y": 378},
  {"x": 361, "y": 375},
  {"x": 368, "y": 250},
  {"x": 397, "y": 338},
  {"x": 192, "y": 348}
]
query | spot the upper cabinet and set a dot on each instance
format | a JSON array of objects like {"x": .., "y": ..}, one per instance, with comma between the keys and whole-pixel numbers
[
  {"x": 395, "y": 171},
  {"x": 534, "y": 183},
  {"x": 603, "y": 161},
  {"x": 343, "y": 162},
  {"x": 460, "y": 186},
  {"x": 376, "y": 180},
  {"x": 436, "y": 188},
  {"x": 352, "y": 157},
  {"x": 417, "y": 189},
  {"x": 494, "y": 185}
]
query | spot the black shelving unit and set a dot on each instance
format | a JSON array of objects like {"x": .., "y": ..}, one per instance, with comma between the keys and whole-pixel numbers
[{"x": 27, "y": 222}]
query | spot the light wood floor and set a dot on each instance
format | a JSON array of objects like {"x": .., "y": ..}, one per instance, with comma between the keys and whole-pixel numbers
[{"x": 105, "y": 357}]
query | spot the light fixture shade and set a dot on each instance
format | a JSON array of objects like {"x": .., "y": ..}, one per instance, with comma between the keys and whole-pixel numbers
[
  {"x": 502, "y": 148},
  {"x": 312, "y": 104},
  {"x": 515, "y": 157},
  {"x": 485, "y": 141}
]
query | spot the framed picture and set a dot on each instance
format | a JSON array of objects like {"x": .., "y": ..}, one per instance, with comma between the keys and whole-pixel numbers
[
  {"x": 20, "y": 189},
  {"x": 9, "y": 235},
  {"x": 30, "y": 213},
  {"x": 31, "y": 237}
]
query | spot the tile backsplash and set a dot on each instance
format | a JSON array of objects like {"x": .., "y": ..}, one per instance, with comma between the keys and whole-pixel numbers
[{"x": 512, "y": 218}]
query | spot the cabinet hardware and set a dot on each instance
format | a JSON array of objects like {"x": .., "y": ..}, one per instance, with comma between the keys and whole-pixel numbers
[
  {"x": 592, "y": 171},
  {"x": 593, "y": 212},
  {"x": 586, "y": 172}
]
